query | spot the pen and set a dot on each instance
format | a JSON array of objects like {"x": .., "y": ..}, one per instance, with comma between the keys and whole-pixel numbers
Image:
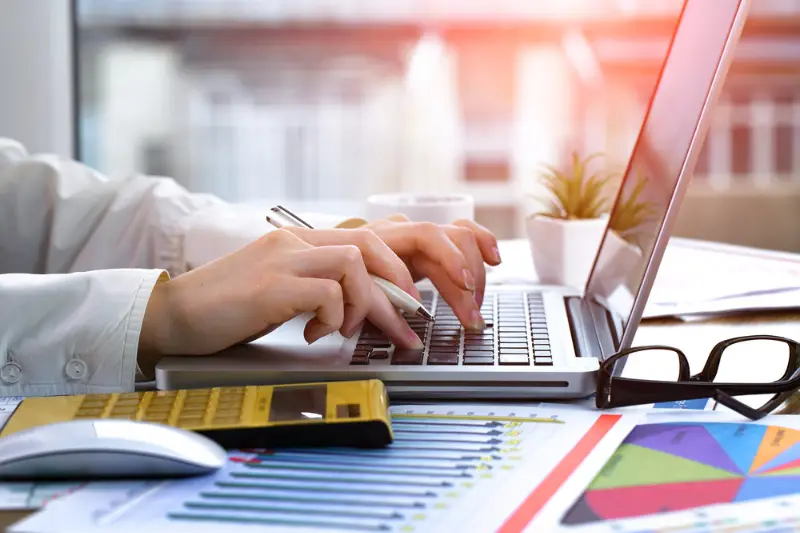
[{"x": 397, "y": 296}]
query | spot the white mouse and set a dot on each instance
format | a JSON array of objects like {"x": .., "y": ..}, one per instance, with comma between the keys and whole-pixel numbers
[{"x": 107, "y": 448}]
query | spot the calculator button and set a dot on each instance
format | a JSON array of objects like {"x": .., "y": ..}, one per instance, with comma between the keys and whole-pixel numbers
[{"x": 227, "y": 421}]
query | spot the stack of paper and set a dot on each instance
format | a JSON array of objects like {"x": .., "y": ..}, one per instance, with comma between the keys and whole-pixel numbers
[
  {"x": 464, "y": 468},
  {"x": 695, "y": 278},
  {"x": 699, "y": 278}
]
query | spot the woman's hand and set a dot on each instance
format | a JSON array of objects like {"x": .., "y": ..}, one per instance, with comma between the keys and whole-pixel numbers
[
  {"x": 248, "y": 293},
  {"x": 451, "y": 256}
]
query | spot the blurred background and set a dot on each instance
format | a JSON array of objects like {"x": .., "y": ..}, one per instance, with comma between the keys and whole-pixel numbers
[{"x": 322, "y": 102}]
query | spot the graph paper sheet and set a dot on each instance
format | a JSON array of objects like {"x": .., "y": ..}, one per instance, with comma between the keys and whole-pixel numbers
[
  {"x": 470, "y": 468},
  {"x": 696, "y": 473}
]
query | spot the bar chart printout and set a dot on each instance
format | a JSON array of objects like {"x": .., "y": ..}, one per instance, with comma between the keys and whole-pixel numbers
[{"x": 470, "y": 468}]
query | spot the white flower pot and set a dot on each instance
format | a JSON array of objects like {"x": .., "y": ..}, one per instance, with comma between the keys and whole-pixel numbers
[
  {"x": 563, "y": 250},
  {"x": 619, "y": 259}
]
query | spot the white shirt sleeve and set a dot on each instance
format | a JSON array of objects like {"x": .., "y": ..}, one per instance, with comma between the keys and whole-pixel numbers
[
  {"x": 80, "y": 253},
  {"x": 72, "y": 333}
]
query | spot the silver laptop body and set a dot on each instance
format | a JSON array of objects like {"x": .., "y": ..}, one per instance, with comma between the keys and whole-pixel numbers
[{"x": 543, "y": 341}]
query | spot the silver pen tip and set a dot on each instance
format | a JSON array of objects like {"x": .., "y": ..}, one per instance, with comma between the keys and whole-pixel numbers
[{"x": 422, "y": 313}]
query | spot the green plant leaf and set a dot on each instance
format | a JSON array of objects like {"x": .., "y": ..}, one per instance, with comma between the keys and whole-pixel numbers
[
  {"x": 579, "y": 193},
  {"x": 632, "y": 212}
]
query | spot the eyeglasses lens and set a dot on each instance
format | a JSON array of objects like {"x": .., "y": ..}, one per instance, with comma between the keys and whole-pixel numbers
[
  {"x": 754, "y": 361},
  {"x": 652, "y": 364}
]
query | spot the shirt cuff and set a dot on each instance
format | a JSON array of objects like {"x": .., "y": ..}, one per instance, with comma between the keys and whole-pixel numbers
[{"x": 136, "y": 320}]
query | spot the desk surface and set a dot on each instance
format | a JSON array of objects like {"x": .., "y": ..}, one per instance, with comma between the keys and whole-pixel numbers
[{"x": 695, "y": 338}]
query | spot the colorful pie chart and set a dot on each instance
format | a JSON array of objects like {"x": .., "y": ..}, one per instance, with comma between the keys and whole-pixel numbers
[{"x": 678, "y": 466}]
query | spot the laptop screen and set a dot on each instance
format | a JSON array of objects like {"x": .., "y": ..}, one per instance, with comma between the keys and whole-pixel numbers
[{"x": 660, "y": 166}]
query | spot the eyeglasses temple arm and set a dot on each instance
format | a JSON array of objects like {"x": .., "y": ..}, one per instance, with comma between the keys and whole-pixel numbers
[{"x": 735, "y": 405}]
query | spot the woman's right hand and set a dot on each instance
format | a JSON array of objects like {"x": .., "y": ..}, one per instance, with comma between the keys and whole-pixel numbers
[{"x": 248, "y": 293}]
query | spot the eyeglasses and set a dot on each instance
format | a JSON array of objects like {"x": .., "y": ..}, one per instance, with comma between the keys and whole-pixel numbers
[{"x": 751, "y": 375}]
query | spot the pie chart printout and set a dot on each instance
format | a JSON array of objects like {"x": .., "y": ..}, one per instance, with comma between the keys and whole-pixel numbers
[{"x": 679, "y": 466}]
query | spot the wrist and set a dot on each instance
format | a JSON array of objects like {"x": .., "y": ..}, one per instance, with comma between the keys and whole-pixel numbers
[{"x": 154, "y": 337}]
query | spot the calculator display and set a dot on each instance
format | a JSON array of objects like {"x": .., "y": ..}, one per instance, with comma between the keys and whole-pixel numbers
[{"x": 302, "y": 402}]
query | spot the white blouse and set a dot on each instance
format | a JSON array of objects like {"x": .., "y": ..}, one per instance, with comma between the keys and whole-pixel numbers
[{"x": 80, "y": 253}]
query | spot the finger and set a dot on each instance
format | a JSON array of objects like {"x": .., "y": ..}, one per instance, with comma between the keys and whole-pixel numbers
[
  {"x": 398, "y": 217},
  {"x": 385, "y": 317},
  {"x": 377, "y": 256},
  {"x": 362, "y": 296},
  {"x": 413, "y": 238},
  {"x": 460, "y": 300},
  {"x": 345, "y": 265},
  {"x": 468, "y": 244},
  {"x": 266, "y": 331},
  {"x": 487, "y": 242},
  {"x": 325, "y": 299}
]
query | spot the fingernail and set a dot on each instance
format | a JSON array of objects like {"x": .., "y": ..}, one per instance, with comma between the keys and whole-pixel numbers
[
  {"x": 476, "y": 321},
  {"x": 469, "y": 281},
  {"x": 496, "y": 252}
]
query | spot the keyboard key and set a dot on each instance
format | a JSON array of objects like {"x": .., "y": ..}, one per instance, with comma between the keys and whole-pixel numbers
[
  {"x": 359, "y": 361},
  {"x": 379, "y": 354},
  {"x": 479, "y": 352},
  {"x": 543, "y": 362},
  {"x": 407, "y": 357},
  {"x": 441, "y": 358},
  {"x": 452, "y": 345},
  {"x": 478, "y": 360},
  {"x": 520, "y": 350},
  {"x": 513, "y": 359},
  {"x": 475, "y": 343},
  {"x": 542, "y": 353}
]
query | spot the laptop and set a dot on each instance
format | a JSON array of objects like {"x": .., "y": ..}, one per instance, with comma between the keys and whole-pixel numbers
[{"x": 543, "y": 342}]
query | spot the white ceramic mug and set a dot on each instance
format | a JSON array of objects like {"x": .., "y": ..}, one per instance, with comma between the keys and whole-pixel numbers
[{"x": 437, "y": 208}]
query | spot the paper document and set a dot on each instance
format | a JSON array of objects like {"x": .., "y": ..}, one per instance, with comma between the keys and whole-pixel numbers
[
  {"x": 711, "y": 278},
  {"x": 451, "y": 468},
  {"x": 694, "y": 278},
  {"x": 693, "y": 473}
]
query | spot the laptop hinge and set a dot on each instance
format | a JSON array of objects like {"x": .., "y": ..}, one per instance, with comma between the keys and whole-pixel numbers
[{"x": 591, "y": 326}]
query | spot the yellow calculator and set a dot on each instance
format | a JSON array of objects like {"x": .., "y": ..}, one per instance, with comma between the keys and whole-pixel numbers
[{"x": 346, "y": 413}]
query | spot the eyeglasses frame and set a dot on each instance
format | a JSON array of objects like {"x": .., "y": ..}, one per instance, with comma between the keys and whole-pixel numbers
[{"x": 614, "y": 391}]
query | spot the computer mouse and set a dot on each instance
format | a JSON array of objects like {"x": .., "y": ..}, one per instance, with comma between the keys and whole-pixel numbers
[{"x": 107, "y": 449}]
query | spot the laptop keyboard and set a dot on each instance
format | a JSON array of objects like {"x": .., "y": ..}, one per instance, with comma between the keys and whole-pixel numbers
[{"x": 515, "y": 334}]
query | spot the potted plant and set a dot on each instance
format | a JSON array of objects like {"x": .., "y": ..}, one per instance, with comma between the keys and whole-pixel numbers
[{"x": 564, "y": 238}]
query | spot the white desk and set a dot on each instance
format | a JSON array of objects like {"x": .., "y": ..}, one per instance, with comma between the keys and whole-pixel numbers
[{"x": 694, "y": 338}]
